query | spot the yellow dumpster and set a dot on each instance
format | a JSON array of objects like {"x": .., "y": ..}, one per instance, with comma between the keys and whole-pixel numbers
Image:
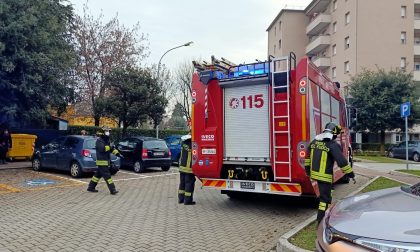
[{"x": 23, "y": 146}]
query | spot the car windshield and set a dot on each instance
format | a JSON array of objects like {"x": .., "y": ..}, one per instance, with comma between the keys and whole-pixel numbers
[{"x": 155, "y": 144}]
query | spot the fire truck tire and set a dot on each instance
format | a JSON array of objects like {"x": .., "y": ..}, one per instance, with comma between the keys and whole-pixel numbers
[
  {"x": 138, "y": 167},
  {"x": 165, "y": 168}
]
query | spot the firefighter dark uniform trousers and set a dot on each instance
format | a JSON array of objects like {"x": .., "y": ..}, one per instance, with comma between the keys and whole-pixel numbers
[
  {"x": 103, "y": 159},
  {"x": 319, "y": 167},
  {"x": 186, "y": 177}
]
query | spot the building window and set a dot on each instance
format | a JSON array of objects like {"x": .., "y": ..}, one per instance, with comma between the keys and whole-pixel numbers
[
  {"x": 279, "y": 26},
  {"x": 334, "y": 72},
  {"x": 403, "y": 11},
  {"x": 346, "y": 67},
  {"x": 347, "y": 18},
  {"x": 347, "y": 43},
  {"x": 334, "y": 4},
  {"x": 334, "y": 50},
  {"x": 403, "y": 63},
  {"x": 398, "y": 138},
  {"x": 275, "y": 31},
  {"x": 403, "y": 37},
  {"x": 274, "y": 48},
  {"x": 334, "y": 27},
  {"x": 417, "y": 40},
  {"x": 279, "y": 43},
  {"x": 416, "y": 66}
]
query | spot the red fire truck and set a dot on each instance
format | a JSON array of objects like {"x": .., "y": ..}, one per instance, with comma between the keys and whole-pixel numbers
[{"x": 252, "y": 123}]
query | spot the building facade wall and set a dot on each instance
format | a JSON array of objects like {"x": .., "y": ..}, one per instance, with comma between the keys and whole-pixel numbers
[{"x": 289, "y": 27}]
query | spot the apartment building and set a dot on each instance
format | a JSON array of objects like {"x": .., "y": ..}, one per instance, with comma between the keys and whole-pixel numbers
[{"x": 344, "y": 36}]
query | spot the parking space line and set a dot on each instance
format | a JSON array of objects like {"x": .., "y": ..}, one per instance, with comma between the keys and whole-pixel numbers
[
  {"x": 9, "y": 188},
  {"x": 131, "y": 173},
  {"x": 144, "y": 177},
  {"x": 70, "y": 179}
]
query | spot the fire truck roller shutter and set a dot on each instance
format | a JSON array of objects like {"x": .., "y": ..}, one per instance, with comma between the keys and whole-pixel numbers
[{"x": 246, "y": 129}]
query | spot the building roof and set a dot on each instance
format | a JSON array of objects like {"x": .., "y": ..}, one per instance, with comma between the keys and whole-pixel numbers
[{"x": 281, "y": 13}]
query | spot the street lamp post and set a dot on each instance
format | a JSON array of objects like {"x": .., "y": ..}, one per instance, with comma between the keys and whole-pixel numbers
[{"x": 158, "y": 70}]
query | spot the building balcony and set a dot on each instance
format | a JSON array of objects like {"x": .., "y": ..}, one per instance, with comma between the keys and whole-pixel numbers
[
  {"x": 318, "y": 24},
  {"x": 416, "y": 1},
  {"x": 416, "y": 75},
  {"x": 322, "y": 62},
  {"x": 318, "y": 44},
  {"x": 318, "y": 6}
]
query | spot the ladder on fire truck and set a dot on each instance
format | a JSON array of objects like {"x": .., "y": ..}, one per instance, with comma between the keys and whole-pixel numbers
[{"x": 281, "y": 137}]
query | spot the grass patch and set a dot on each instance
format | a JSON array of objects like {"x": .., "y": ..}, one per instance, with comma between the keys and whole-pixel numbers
[
  {"x": 413, "y": 172},
  {"x": 306, "y": 237},
  {"x": 381, "y": 183},
  {"x": 381, "y": 159}
]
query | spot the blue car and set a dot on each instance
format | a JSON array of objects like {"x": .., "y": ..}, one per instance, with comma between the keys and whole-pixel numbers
[
  {"x": 174, "y": 144},
  {"x": 75, "y": 154}
]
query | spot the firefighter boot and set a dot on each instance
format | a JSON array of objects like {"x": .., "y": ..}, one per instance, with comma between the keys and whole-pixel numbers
[
  {"x": 92, "y": 184},
  {"x": 188, "y": 199},
  {"x": 91, "y": 187},
  {"x": 111, "y": 187},
  {"x": 181, "y": 196}
]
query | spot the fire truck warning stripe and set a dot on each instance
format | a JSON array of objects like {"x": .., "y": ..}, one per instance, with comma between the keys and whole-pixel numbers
[
  {"x": 286, "y": 188},
  {"x": 214, "y": 183}
]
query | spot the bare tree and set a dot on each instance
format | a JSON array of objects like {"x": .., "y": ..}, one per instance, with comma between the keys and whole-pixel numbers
[
  {"x": 103, "y": 46},
  {"x": 183, "y": 83}
]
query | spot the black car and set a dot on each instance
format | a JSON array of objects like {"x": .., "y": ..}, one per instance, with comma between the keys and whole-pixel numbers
[
  {"x": 76, "y": 154},
  {"x": 141, "y": 152}
]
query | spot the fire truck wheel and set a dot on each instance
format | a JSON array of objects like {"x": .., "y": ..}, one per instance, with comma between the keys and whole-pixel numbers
[
  {"x": 165, "y": 168},
  {"x": 233, "y": 195},
  {"x": 138, "y": 167}
]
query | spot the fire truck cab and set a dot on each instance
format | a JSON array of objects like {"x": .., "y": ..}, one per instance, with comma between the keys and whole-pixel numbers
[{"x": 252, "y": 123}]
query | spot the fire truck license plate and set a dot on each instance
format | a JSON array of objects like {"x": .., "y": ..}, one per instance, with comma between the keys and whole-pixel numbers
[
  {"x": 248, "y": 185},
  {"x": 208, "y": 151}
]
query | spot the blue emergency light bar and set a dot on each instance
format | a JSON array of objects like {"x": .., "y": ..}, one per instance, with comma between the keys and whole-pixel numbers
[{"x": 249, "y": 70}]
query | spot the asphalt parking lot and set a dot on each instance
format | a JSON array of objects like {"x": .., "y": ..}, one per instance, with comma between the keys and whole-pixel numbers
[{"x": 144, "y": 216}]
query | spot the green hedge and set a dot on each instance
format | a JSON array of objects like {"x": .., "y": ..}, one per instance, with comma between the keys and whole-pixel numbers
[{"x": 116, "y": 133}]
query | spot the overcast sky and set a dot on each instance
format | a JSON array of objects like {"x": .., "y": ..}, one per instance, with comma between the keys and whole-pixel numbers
[{"x": 233, "y": 29}]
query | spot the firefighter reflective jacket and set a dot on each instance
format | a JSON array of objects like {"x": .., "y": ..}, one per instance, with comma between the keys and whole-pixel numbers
[
  {"x": 185, "y": 159},
  {"x": 103, "y": 152},
  {"x": 323, "y": 153}
]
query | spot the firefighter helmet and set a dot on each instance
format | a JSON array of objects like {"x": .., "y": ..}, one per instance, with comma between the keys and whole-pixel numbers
[
  {"x": 333, "y": 128},
  {"x": 101, "y": 131}
]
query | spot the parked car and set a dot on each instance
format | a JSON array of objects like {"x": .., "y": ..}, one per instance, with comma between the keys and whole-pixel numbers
[
  {"x": 73, "y": 153},
  {"x": 398, "y": 151},
  {"x": 141, "y": 152},
  {"x": 174, "y": 144},
  {"x": 383, "y": 220}
]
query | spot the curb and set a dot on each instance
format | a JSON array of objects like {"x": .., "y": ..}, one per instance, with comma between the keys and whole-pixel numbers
[{"x": 283, "y": 244}]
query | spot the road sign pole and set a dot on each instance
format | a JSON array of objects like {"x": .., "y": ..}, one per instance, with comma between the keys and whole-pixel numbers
[{"x": 406, "y": 142}]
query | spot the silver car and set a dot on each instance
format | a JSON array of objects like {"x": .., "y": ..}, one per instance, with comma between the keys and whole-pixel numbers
[{"x": 383, "y": 220}]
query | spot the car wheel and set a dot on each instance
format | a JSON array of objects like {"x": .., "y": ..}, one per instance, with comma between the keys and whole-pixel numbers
[
  {"x": 391, "y": 154},
  {"x": 138, "y": 167},
  {"x": 36, "y": 164},
  {"x": 76, "y": 170},
  {"x": 416, "y": 157},
  {"x": 165, "y": 168}
]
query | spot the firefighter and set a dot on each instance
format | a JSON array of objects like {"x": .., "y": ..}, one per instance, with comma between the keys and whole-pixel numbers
[
  {"x": 5, "y": 144},
  {"x": 103, "y": 161},
  {"x": 186, "y": 177},
  {"x": 324, "y": 151}
]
